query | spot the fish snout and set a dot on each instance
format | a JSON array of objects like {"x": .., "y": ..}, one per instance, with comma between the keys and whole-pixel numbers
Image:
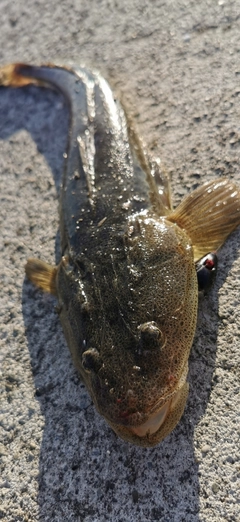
[{"x": 158, "y": 425}]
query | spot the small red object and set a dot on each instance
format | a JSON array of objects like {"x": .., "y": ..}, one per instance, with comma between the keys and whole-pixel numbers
[{"x": 209, "y": 263}]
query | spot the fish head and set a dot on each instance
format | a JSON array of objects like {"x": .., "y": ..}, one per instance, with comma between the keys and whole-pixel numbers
[{"x": 131, "y": 334}]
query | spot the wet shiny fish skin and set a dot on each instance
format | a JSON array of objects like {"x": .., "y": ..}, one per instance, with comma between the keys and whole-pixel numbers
[{"x": 126, "y": 285}]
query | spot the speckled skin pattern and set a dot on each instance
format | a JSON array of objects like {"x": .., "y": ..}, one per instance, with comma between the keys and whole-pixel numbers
[
  {"x": 126, "y": 285},
  {"x": 177, "y": 67}
]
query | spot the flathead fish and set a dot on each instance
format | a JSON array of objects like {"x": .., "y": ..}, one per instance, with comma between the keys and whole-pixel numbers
[{"x": 127, "y": 284}]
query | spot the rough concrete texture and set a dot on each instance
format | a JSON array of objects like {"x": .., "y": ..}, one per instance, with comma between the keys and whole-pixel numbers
[{"x": 176, "y": 66}]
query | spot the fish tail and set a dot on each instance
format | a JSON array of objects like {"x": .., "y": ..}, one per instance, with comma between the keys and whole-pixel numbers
[
  {"x": 42, "y": 275},
  {"x": 15, "y": 75},
  {"x": 209, "y": 214},
  {"x": 62, "y": 78}
]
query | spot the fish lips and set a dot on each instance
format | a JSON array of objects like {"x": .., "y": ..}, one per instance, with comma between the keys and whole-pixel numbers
[
  {"x": 149, "y": 428},
  {"x": 142, "y": 427},
  {"x": 157, "y": 424}
]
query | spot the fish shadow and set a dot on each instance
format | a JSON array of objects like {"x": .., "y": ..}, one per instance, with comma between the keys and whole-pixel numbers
[{"x": 85, "y": 472}]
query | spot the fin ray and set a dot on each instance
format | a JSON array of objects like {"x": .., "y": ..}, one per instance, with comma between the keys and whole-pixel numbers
[
  {"x": 42, "y": 275},
  {"x": 209, "y": 214}
]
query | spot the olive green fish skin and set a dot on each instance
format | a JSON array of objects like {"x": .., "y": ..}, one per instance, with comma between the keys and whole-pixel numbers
[
  {"x": 98, "y": 179},
  {"x": 127, "y": 284},
  {"x": 117, "y": 279},
  {"x": 126, "y": 273},
  {"x": 124, "y": 265}
]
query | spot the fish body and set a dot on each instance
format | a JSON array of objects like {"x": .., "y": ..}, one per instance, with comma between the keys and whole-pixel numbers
[{"x": 126, "y": 284}]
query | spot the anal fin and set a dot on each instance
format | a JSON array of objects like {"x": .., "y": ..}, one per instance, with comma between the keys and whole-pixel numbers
[{"x": 209, "y": 214}]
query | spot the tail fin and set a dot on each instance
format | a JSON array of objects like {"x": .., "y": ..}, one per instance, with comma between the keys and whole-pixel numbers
[{"x": 11, "y": 75}]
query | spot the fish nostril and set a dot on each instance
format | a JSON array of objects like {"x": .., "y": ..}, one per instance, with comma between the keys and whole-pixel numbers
[
  {"x": 150, "y": 336},
  {"x": 91, "y": 360}
]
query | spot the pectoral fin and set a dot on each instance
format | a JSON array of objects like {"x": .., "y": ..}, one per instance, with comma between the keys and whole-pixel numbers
[
  {"x": 42, "y": 275},
  {"x": 209, "y": 214}
]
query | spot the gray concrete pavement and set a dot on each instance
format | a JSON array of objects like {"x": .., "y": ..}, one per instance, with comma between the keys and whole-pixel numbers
[{"x": 176, "y": 66}]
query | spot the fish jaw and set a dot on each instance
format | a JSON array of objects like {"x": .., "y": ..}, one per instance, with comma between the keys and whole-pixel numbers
[
  {"x": 161, "y": 420},
  {"x": 154, "y": 422}
]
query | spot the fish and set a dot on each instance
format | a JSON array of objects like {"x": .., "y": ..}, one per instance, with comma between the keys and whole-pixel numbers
[{"x": 127, "y": 282}]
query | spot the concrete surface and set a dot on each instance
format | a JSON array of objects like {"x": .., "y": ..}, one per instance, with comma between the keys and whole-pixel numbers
[{"x": 176, "y": 66}]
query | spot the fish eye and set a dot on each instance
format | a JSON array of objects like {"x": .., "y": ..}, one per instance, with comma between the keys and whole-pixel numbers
[
  {"x": 151, "y": 337},
  {"x": 91, "y": 361}
]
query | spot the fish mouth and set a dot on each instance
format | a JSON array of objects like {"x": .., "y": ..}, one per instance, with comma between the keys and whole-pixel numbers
[
  {"x": 157, "y": 418},
  {"x": 160, "y": 422},
  {"x": 154, "y": 422}
]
